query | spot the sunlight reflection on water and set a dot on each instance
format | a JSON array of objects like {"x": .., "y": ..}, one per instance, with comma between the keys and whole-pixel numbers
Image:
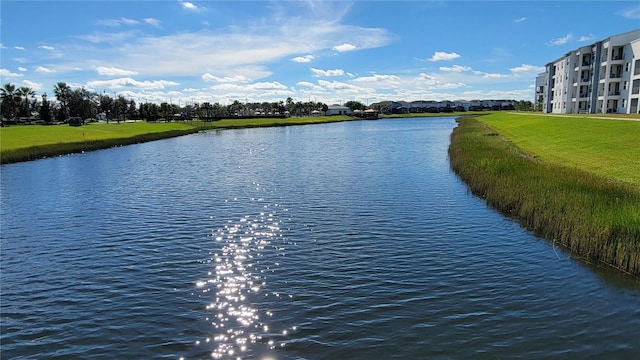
[{"x": 237, "y": 279}]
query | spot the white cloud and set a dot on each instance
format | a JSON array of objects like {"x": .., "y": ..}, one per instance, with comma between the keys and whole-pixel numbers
[
  {"x": 44, "y": 69},
  {"x": 153, "y": 22},
  {"x": 129, "y": 82},
  {"x": 46, "y": 47},
  {"x": 253, "y": 91},
  {"x": 527, "y": 68},
  {"x": 493, "y": 75},
  {"x": 455, "y": 68},
  {"x": 5, "y": 73},
  {"x": 319, "y": 72},
  {"x": 128, "y": 22},
  {"x": 377, "y": 78},
  {"x": 2, "y": 46},
  {"x": 35, "y": 86},
  {"x": 520, "y": 19},
  {"x": 187, "y": 5},
  {"x": 22, "y": 69},
  {"x": 378, "y": 81},
  {"x": 109, "y": 38},
  {"x": 340, "y": 86},
  {"x": 303, "y": 59},
  {"x": 443, "y": 56},
  {"x": 273, "y": 85},
  {"x": 227, "y": 79},
  {"x": 243, "y": 50},
  {"x": 112, "y": 71},
  {"x": 433, "y": 83},
  {"x": 585, "y": 38},
  {"x": 561, "y": 41},
  {"x": 344, "y": 47},
  {"x": 497, "y": 94},
  {"x": 118, "y": 22},
  {"x": 632, "y": 12},
  {"x": 19, "y": 47}
]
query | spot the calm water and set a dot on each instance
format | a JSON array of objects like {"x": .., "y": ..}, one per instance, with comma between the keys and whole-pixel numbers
[{"x": 337, "y": 241}]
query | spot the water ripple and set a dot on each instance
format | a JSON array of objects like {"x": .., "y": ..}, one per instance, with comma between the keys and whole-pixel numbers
[{"x": 347, "y": 240}]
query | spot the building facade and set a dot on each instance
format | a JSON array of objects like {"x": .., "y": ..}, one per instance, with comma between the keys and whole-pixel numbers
[{"x": 603, "y": 77}]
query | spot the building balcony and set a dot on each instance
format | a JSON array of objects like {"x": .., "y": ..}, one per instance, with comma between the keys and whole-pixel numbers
[
  {"x": 617, "y": 57},
  {"x": 635, "y": 90}
]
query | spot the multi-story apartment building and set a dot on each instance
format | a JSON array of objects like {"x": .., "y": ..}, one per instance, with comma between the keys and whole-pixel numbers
[{"x": 600, "y": 78}]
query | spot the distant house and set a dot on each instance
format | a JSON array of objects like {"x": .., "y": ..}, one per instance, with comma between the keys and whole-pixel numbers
[
  {"x": 370, "y": 114},
  {"x": 338, "y": 110}
]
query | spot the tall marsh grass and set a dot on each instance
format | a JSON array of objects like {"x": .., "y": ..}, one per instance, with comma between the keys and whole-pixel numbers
[{"x": 596, "y": 218}]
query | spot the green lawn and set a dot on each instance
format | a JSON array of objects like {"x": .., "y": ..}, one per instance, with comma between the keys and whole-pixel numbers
[
  {"x": 19, "y": 137},
  {"x": 606, "y": 147}
]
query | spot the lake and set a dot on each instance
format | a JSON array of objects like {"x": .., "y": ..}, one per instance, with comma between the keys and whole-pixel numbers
[{"x": 350, "y": 240}]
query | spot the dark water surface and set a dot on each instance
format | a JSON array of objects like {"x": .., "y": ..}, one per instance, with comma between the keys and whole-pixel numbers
[{"x": 336, "y": 241}]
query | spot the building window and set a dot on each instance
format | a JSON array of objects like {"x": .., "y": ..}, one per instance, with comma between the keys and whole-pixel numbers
[{"x": 626, "y": 67}]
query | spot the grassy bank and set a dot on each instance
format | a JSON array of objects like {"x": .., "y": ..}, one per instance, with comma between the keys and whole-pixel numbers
[
  {"x": 596, "y": 218},
  {"x": 24, "y": 143},
  {"x": 605, "y": 147}
]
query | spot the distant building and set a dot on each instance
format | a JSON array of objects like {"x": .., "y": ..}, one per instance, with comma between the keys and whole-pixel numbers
[
  {"x": 603, "y": 77},
  {"x": 338, "y": 110},
  {"x": 421, "y": 106}
]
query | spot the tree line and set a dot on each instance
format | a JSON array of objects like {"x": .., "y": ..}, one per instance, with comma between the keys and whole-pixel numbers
[{"x": 20, "y": 105}]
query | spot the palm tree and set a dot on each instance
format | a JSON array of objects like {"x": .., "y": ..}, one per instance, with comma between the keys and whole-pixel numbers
[
  {"x": 10, "y": 99},
  {"x": 26, "y": 92},
  {"x": 63, "y": 94}
]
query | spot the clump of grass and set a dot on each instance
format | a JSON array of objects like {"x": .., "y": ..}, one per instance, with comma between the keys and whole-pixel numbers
[{"x": 596, "y": 218}]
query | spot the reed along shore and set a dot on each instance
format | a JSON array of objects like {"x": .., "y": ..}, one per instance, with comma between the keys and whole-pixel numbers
[{"x": 596, "y": 218}]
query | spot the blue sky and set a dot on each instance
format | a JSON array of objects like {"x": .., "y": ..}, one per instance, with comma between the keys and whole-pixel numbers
[{"x": 368, "y": 51}]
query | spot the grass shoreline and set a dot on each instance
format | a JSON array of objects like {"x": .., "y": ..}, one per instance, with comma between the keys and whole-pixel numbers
[
  {"x": 67, "y": 144},
  {"x": 597, "y": 219}
]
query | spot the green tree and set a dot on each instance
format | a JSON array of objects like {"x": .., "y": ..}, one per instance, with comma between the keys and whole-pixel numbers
[
  {"x": 355, "y": 105},
  {"x": 524, "y": 105},
  {"x": 82, "y": 103},
  {"x": 218, "y": 110},
  {"x": 131, "y": 110},
  {"x": 10, "y": 101},
  {"x": 235, "y": 108},
  {"x": 289, "y": 104},
  {"x": 26, "y": 92},
  {"x": 205, "y": 110},
  {"x": 62, "y": 92},
  {"x": 120, "y": 108},
  {"x": 106, "y": 105},
  {"x": 165, "y": 111},
  {"x": 45, "y": 110}
]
